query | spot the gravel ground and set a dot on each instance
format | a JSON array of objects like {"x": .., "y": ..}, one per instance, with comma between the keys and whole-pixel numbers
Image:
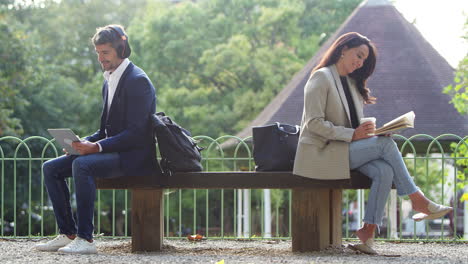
[{"x": 236, "y": 251}]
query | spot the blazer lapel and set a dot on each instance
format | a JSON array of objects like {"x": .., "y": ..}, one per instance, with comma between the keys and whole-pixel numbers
[
  {"x": 105, "y": 94},
  {"x": 339, "y": 87}
]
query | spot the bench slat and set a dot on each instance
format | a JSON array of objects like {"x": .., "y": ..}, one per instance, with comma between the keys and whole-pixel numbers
[{"x": 235, "y": 180}]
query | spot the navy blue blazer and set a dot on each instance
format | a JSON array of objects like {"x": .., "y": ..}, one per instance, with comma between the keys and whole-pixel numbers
[{"x": 127, "y": 123}]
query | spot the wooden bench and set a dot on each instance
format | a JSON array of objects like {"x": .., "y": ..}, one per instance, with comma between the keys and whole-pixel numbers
[{"x": 316, "y": 204}]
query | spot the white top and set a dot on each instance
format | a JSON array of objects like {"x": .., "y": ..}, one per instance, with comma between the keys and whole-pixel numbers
[{"x": 113, "y": 79}]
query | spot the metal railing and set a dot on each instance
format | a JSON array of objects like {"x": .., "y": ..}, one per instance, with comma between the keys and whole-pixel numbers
[{"x": 25, "y": 210}]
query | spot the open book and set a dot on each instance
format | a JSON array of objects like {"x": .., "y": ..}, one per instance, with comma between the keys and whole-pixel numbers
[{"x": 398, "y": 124}]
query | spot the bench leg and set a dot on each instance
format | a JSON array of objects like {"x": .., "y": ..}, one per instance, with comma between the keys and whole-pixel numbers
[
  {"x": 147, "y": 219},
  {"x": 316, "y": 219}
]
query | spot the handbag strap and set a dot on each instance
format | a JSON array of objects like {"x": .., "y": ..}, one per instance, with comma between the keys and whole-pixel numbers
[{"x": 281, "y": 128}]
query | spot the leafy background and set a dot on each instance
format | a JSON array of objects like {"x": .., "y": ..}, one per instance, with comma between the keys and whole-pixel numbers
[{"x": 215, "y": 63}]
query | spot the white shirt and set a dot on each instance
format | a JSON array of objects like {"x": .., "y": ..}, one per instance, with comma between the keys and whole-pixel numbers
[{"x": 113, "y": 79}]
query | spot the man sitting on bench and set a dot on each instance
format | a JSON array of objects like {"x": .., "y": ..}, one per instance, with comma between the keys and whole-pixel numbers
[{"x": 122, "y": 146}]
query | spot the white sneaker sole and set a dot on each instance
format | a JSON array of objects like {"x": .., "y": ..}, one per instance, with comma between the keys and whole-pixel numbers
[
  {"x": 65, "y": 250},
  {"x": 77, "y": 252},
  {"x": 46, "y": 249}
]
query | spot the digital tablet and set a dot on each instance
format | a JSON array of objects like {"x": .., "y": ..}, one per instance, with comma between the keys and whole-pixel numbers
[{"x": 65, "y": 137}]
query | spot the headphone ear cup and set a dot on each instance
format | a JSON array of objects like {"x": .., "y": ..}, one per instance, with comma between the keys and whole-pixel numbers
[
  {"x": 127, "y": 50},
  {"x": 124, "y": 47},
  {"x": 121, "y": 50}
]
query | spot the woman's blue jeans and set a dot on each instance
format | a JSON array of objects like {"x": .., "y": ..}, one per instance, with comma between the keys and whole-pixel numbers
[
  {"x": 378, "y": 157},
  {"x": 83, "y": 169}
]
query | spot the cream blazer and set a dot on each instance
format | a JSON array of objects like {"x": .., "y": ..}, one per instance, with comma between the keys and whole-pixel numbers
[{"x": 326, "y": 131}]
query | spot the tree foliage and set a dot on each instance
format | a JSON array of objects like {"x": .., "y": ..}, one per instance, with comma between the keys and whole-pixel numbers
[
  {"x": 459, "y": 93},
  {"x": 13, "y": 64},
  {"x": 458, "y": 90},
  {"x": 220, "y": 62}
]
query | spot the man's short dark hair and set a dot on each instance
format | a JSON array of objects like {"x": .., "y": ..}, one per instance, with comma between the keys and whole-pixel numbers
[{"x": 116, "y": 36}]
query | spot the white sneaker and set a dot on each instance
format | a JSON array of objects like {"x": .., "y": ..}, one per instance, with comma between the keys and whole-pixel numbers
[
  {"x": 53, "y": 245},
  {"x": 79, "y": 246}
]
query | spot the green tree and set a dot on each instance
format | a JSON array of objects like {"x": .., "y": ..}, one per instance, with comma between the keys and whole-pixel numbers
[
  {"x": 459, "y": 93},
  {"x": 324, "y": 17},
  {"x": 458, "y": 90},
  {"x": 221, "y": 62},
  {"x": 13, "y": 65}
]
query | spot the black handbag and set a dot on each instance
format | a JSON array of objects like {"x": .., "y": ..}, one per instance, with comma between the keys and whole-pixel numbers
[{"x": 274, "y": 147}]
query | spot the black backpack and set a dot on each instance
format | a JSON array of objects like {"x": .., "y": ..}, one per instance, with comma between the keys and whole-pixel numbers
[{"x": 179, "y": 151}]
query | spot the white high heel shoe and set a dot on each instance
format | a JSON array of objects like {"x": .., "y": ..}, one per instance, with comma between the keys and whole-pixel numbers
[{"x": 437, "y": 211}]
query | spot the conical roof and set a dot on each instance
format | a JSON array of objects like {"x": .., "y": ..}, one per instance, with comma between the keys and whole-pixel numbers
[{"x": 409, "y": 76}]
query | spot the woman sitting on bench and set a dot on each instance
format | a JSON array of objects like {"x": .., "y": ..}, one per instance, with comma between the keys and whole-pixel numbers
[{"x": 333, "y": 141}]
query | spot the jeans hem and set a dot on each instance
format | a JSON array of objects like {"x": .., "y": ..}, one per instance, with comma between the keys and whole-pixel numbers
[
  {"x": 84, "y": 237},
  {"x": 372, "y": 222},
  {"x": 409, "y": 192}
]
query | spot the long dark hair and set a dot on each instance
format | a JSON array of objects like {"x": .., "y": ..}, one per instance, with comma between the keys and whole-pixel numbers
[{"x": 352, "y": 40}]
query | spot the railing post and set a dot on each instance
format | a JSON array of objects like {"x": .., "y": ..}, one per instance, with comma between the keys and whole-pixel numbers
[{"x": 267, "y": 208}]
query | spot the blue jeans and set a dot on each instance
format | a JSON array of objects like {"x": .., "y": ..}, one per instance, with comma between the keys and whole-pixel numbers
[
  {"x": 379, "y": 158},
  {"x": 83, "y": 169}
]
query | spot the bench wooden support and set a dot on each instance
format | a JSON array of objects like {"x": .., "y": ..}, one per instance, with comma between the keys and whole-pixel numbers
[
  {"x": 316, "y": 204},
  {"x": 147, "y": 219},
  {"x": 316, "y": 219}
]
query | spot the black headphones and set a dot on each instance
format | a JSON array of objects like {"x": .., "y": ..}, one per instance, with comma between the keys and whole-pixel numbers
[{"x": 123, "y": 50}]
